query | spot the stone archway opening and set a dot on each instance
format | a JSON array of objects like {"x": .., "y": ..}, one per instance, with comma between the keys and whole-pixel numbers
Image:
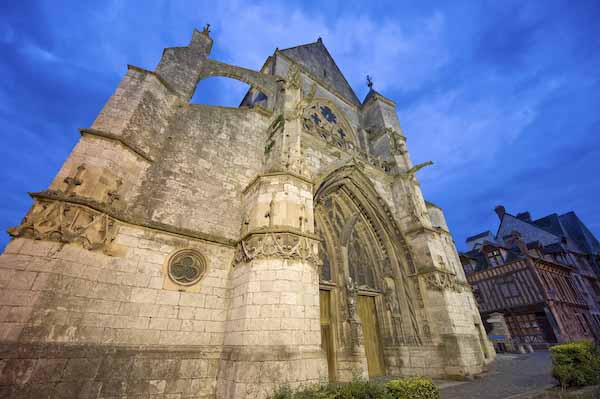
[
  {"x": 225, "y": 92},
  {"x": 369, "y": 306}
]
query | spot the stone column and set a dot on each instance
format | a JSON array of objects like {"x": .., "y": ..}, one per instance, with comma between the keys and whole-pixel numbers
[{"x": 273, "y": 328}]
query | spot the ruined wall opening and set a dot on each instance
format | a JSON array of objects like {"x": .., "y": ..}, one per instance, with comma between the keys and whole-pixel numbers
[{"x": 224, "y": 92}]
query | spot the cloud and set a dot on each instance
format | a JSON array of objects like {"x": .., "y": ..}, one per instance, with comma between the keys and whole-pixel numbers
[
  {"x": 38, "y": 54},
  {"x": 503, "y": 98},
  {"x": 399, "y": 56}
]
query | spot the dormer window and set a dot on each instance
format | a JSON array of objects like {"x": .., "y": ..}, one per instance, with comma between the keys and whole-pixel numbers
[{"x": 495, "y": 258}]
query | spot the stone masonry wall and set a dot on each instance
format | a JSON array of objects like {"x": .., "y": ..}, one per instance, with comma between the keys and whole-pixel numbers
[
  {"x": 107, "y": 310},
  {"x": 106, "y": 162},
  {"x": 211, "y": 155}
]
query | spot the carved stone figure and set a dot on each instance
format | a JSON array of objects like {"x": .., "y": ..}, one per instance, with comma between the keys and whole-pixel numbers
[{"x": 74, "y": 181}]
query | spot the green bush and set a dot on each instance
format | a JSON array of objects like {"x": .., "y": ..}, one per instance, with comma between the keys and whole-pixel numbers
[
  {"x": 310, "y": 392},
  {"x": 413, "y": 388},
  {"x": 409, "y": 388},
  {"x": 360, "y": 389},
  {"x": 576, "y": 364}
]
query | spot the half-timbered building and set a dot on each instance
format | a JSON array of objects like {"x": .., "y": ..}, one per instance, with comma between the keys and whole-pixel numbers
[{"x": 542, "y": 279}]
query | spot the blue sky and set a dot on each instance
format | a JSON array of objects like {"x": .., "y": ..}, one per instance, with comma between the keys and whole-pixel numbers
[{"x": 504, "y": 96}]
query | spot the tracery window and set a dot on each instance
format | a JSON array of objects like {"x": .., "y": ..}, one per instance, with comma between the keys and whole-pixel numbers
[
  {"x": 322, "y": 120},
  {"x": 360, "y": 263},
  {"x": 324, "y": 257},
  {"x": 333, "y": 213}
]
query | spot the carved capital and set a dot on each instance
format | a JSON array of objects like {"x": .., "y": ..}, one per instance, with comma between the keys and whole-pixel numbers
[{"x": 277, "y": 245}]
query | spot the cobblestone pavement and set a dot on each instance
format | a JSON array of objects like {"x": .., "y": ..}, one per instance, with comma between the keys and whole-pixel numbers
[{"x": 511, "y": 376}]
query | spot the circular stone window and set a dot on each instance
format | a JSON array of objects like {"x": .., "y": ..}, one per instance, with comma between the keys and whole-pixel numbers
[{"x": 186, "y": 267}]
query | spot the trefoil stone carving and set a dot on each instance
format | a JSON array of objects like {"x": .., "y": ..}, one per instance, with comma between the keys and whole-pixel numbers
[{"x": 186, "y": 267}]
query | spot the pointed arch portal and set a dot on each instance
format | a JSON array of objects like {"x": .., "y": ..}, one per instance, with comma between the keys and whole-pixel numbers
[{"x": 363, "y": 251}]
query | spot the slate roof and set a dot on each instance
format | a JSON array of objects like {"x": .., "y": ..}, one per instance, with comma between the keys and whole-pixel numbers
[
  {"x": 553, "y": 234},
  {"x": 476, "y": 236},
  {"x": 316, "y": 59},
  {"x": 579, "y": 233},
  {"x": 529, "y": 232},
  {"x": 551, "y": 224}
]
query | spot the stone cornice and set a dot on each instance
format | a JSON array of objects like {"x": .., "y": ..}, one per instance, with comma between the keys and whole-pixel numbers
[
  {"x": 124, "y": 217},
  {"x": 270, "y": 174},
  {"x": 282, "y": 229},
  {"x": 377, "y": 96},
  {"x": 124, "y": 142}
]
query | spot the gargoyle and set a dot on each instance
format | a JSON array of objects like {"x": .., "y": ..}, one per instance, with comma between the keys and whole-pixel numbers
[{"x": 412, "y": 171}]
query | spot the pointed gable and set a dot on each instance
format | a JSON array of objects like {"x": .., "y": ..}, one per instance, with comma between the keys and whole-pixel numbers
[
  {"x": 317, "y": 61},
  {"x": 528, "y": 231}
]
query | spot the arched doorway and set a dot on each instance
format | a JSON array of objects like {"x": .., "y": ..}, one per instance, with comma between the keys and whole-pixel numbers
[{"x": 365, "y": 301}]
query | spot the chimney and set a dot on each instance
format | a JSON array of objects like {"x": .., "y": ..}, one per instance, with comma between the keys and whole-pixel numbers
[{"x": 500, "y": 211}]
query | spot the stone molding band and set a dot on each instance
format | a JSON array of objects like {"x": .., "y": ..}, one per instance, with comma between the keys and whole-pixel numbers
[
  {"x": 273, "y": 174},
  {"x": 123, "y": 217},
  {"x": 286, "y": 245},
  {"x": 111, "y": 136}
]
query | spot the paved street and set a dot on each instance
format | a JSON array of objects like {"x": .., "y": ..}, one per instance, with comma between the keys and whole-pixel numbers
[{"x": 511, "y": 376}]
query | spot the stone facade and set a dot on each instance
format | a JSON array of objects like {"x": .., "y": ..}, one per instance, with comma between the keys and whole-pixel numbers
[{"x": 183, "y": 251}]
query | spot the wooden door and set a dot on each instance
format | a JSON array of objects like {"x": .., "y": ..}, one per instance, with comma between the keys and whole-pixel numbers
[
  {"x": 368, "y": 316},
  {"x": 326, "y": 332}
]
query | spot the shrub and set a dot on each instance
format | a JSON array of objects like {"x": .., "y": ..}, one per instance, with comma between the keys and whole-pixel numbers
[
  {"x": 576, "y": 364},
  {"x": 309, "y": 392},
  {"x": 357, "y": 389},
  {"x": 361, "y": 389},
  {"x": 409, "y": 388},
  {"x": 413, "y": 388}
]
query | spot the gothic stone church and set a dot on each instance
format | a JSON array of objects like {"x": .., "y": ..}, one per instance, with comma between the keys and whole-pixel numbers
[{"x": 212, "y": 252}]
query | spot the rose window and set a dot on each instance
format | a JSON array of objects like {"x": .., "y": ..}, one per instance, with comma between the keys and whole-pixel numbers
[
  {"x": 324, "y": 121},
  {"x": 187, "y": 267}
]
